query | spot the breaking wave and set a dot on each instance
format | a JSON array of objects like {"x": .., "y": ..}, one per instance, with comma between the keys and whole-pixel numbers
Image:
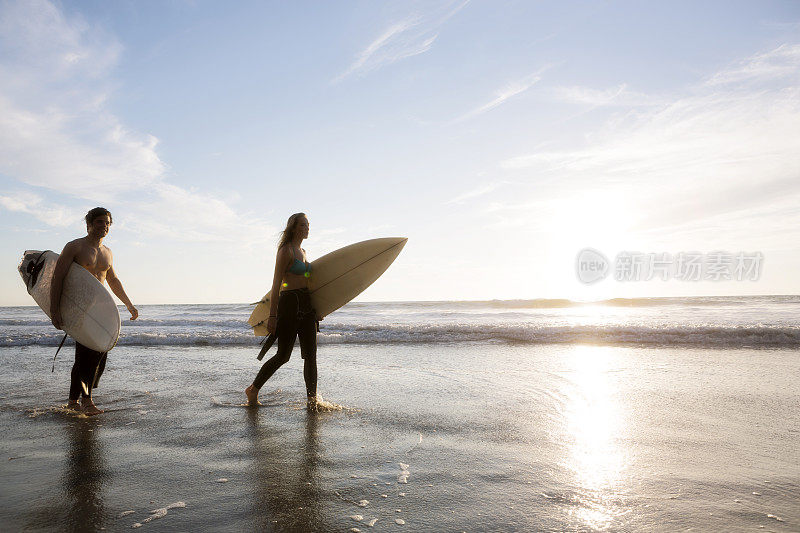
[{"x": 620, "y": 335}]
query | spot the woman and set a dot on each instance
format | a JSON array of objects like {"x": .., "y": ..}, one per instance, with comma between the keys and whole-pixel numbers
[{"x": 291, "y": 314}]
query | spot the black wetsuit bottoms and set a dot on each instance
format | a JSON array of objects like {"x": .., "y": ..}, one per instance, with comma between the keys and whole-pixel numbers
[
  {"x": 296, "y": 318},
  {"x": 86, "y": 371}
]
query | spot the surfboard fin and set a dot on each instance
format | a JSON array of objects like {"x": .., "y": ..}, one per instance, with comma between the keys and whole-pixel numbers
[{"x": 59, "y": 349}]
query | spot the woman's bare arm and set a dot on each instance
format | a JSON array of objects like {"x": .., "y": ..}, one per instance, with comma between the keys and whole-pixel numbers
[{"x": 281, "y": 263}]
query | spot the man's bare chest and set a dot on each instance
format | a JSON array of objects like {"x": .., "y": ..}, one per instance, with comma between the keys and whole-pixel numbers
[{"x": 95, "y": 261}]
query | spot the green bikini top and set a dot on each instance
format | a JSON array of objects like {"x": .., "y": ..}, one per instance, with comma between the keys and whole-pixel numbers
[{"x": 298, "y": 267}]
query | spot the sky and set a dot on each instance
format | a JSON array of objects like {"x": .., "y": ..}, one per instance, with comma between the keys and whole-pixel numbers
[{"x": 500, "y": 137}]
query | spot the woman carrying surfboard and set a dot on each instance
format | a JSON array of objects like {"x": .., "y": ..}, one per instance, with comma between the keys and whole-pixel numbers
[{"x": 291, "y": 315}]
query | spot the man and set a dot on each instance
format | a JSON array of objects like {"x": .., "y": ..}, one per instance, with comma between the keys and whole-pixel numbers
[{"x": 89, "y": 253}]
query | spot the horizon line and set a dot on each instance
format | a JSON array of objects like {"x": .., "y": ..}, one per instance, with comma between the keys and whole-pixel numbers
[{"x": 475, "y": 301}]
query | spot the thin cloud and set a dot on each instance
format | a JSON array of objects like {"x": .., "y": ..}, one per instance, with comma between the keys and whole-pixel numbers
[
  {"x": 473, "y": 193},
  {"x": 382, "y": 44},
  {"x": 86, "y": 157},
  {"x": 197, "y": 217},
  {"x": 590, "y": 99},
  {"x": 779, "y": 63},
  {"x": 58, "y": 132},
  {"x": 412, "y": 36},
  {"x": 509, "y": 91},
  {"x": 726, "y": 147},
  {"x": 33, "y": 204},
  {"x": 615, "y": 96},
  {"x": 39, "y": 40}
]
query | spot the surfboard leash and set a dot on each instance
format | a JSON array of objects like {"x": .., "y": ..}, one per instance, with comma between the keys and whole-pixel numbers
[
  {"x": 266, "y": 345},
  {"x": 59, "y": 349}
]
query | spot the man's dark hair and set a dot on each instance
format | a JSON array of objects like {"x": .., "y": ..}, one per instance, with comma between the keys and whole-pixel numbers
[{"x": 97, "y": 212}]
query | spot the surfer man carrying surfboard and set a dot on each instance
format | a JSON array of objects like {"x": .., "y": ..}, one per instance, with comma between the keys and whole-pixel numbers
[
  {"x": 90, "y": 253},
  {"x": 291, "y": 314}
]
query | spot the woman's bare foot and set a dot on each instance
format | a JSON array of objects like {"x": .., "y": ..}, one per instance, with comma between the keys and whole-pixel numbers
[
  {"x": 89, "y": 408},
  {"x": 311, "y": 403},
  {"x": 252, "y": 396},
  {"x": 74, "y": 405}
]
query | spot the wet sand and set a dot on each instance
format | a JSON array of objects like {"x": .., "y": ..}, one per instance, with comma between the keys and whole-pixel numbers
[{"x": 462, "y": 437}]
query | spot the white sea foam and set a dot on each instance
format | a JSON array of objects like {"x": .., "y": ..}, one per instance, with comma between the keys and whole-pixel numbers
[
  {"x": 59, "y": 409},
  {"x": 758, "y": 321},
  {"x": 324, "y": 406},
  {"x": 155, "y": 514},
  {"x": 403, "y": 477}
]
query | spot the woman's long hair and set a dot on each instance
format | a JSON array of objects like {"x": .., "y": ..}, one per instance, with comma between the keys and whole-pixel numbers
[{"x": 287, "y": 235}]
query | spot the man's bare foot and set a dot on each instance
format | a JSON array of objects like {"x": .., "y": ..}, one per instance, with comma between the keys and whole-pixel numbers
[
  {"x": 252, "y": 396},
  {"x": 74, "y": 405},
  {"x": 89, "y": 408}
]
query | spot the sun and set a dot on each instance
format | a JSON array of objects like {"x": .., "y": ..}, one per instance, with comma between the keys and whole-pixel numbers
[{"x": 598, "y": 219}]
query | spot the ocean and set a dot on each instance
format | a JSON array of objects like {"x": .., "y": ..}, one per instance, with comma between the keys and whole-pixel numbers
[
  {"x": 751, "y": 321},
  {"x": 648, "y": 414}
]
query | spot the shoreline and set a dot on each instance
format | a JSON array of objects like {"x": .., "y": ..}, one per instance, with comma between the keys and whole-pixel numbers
[{"x": 493, "y": 437}]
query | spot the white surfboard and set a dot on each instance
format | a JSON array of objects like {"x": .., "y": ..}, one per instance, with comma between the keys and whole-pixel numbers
[
  {"x": 340, "y": 276},
  {"x": 89, "y": 313}
]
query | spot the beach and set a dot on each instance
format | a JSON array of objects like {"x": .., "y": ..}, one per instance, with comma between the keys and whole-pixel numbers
[
  {"x": 477, "y": 435},
  {"x": 550, "y": 250}
]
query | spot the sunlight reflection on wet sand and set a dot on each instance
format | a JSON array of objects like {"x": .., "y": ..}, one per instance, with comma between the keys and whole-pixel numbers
[{"x": 595, "y": 421}]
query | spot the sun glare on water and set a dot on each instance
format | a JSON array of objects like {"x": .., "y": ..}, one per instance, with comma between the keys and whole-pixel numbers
[{"x": 594, "y": 421}]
